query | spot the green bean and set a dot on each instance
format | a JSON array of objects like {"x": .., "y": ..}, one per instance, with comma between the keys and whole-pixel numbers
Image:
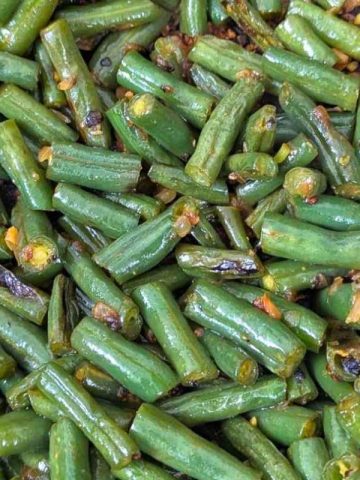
[
  {"x": 7, "y": 364},
  {"x": 20, "y": 431},
  {"x": 147, "y": 207},
  {"x": 301, "y": 388},
  {"x": 107, "y": 57},
  {"x": 275, "y": 202},
  {"x": 26, "y": 301},
  {"x": 168, "y": 441},
  {"x": 208, "y": 82},
  {"x": 170, "y": 275},
  {"x": 113, "y": 220},
  {"x": 92, "y": 239},
  {"x": 340, "y": 301},
  {"x": 136, "y": 140},
  {"x": 217, "y": 12},
  {"x": 213, "y": 307},
  {"x": 88, "y": 20},
  {"x": 338, "y": 440},
  {"x": 348, "y": 465},
  {"x": 7, "y": 9},
  {"x": 100, "y": 470},
  {"x": 34, "y": 118},
  {"x": 298, "y": 35},
  {"x": 290, "y": 238},
  {"x": 250, "y": 166},
  {"x": 140, "y": 75},
  {"x": 169, "y": 53},
  {"x": 144, "y": 247},
  {"x": 24, "y": 26},
  {"x": 68, "y": 452},
  {"x": 161, "y": 312},
  {"x": 75, "y": 80},
  {"x": 309, "y": 457},
  {"x": 141, "y": 470},
  {"x": 233, "y": 225},
  {"x": 168, "y": 4},
  {"x": 214, "y": 145},
  {"x": 253, "y": 191},
  {"x": 304, "y": 182},
  {"x": 269, "y": 8},
  {"x": 193, "y": 17},
  {"x": 343, "y": 361},
  {"x": 20, "y": 71},
  {"x": 348, "y": 411},
  {"x": 260, "y": 130},
  {"x": 261, "y": 452}
]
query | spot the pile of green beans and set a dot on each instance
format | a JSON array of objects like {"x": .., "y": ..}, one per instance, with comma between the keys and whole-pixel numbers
[{"x": 179, "y": 240}]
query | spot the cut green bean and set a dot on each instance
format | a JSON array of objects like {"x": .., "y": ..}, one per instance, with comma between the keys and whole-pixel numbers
[
  {"x": 168, "y": 441},
  {"x": 304, "y": 182},
  {"x": 269, "y": 9},
  {"x": 342, "y": 355},
  {"x": 216, "y": 263},
  {"x": 7, "y": 9},
  {"x": 113, "y": 220},
  {"x": 309, "y": 457},
  {"x": 253, "y": 191},
  {"x": 347, "y": 466},
  {"x": 147, "y": 207},
  {"x": 111, "y": 305},
  {"x": 301, "y": 388},
  {"x": 260, "y": 130},
  {"x": 24, "y": 26},
  {"x": 193, "y": 17},
  {"x": 171, "y": 275},
  {"x": 217, "y": 12},
  {"x": 140, "y": 371},
  {"x": 340, "y": 301},
  {"x": 348, "y": 411},
  {"x": 233, "y": 225},
  {"x": 338, "y": 440},
  {"x": 20, "y": 71},
  {"x": 33, "y": 118},
  {"x": 209, "y": 82},
  {"x": 7, "y": 364},
  {"x": 275, "y": 203},
  {"x": 140, "y": 75},
  {"x": 261, "y": 452},
  {"x": 161, "y": 312},
  {"x": 144, "y": 247},
  {"x": 141, "y": 470},
  {"x": 290, "y": 238},
  {"x": 169, "y": 53},
  {"x": 68, "y": 452},
  {"x": 100, "y": 470},
  {"x": 92, "y": 239},
  {"x": 250, "y": 166},
  {"x": 75, "y": 80},
  {"x": 213, "y": 307},
  {"x": 113, "y": 443},
  {"x": 214, "y": 145}
]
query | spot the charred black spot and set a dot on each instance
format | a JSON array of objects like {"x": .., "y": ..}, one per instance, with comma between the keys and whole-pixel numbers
[
  {"x": 243, "y": 268},
  {"x": 351, "y": 365},
  {"x": 15, "y": 286},
  {"x": 93, "y": 118},
  {"x": 299, "y": 375},
  {"x": 106, "y": 62}
]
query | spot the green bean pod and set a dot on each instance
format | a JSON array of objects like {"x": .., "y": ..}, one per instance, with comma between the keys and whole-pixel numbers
[
  {"x": 108, "y": 55},
  {"x": 23, "y": 300},
  {"x": 233, "y": 225},
  {"x": 337, "y": 156},
  {"x": 93, "y": 240},
  {"x": 170, "y": 275},
  {"x": 288, "y": 277},
  {"x": 261, "y": 452},
  {"x": 63, "y": 315},
  {"x": 333, "y": 30},
  {"x": 216, "y": 263},
  {"x": 304, "y": 182},
  {"x": 297, "y": 35},
  {"x": 298, "y": 152},
  {"x": 52, "y": 97},
  {"x": 144, "y": 247},
  {"x": 309, "y": 327},
  {"x": 136, "y": 140},
  {"x": 93, "y": 167},
  {"x": 141, "y": 470},
  {"x": 318, "y": 368},
  {"x": 111, "y": 305},
  {"x": 140, "y": 371},
  {"x": 275, "y": 203},
  {"x": 20, "y": 71},
  {"x": 301, "y": 388},
  {"x": 290, "y": 238},
  {"x": 24, "y": 26},
  {"x": 269, "y": 9},
  {"x": 113, "y": 220},
  {"x": 212, "y": 307},
  {"x": 145, "y": 206},
  {"x": 161, "y": 312},
  {"x": 209, "y": 82},
  {"x": 113, "y": 443},
  {"x": 140, "y": 75},
  {"x": 7, "y": 9},
  {"x": 217, "y": 12},
  {"x": 168, "y": 4},
  {"x": 251, "y": 166},
  {"x": 342, "y": 355},
  {"x": 169, "y": 53},
  {"x": 33, "y": 118},
  {"x": 9, "y": 382},
  {"x": 19, "y": 163},
  {"x": 260, "y": 130},
  {"x": 251, "y": 22},
  {"x": 309, "y": 457},
  {"x": 348, "y": 413},
  {"x": 7, "y": 364},
  {"x": 347, "y": 466},
  {"x": 168, "y": 441},
  {"x": 312, "y": 77},
  {"x": 285, "y": 425},
  {"x": 35, "y": 246},
  {"x": 20, "y": 431},
  {"x": 100, "y": 470},
  {"x": 220, "y": 132},
  {"x": 163, "y": 124},
  {"x": 230, "y": 358},
  {"x": 193, "y": 17},
  {"x": 338, "y": 440},
  {"x": 75, "y": 80},
  {"x": 25, "y": 341},
  {"x": 340, "y": 302},
  {"x": 253, "y": 191},
  {"x": 92, "y": 19},
  {"x": 68, "y": 452}
]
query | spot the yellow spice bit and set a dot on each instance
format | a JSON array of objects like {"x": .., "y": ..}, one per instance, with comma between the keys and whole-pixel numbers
[
  {"x": 253, "y": 421},
  {"x": 12, "y": 238},
  {"x": 45, "y": 154},
  {"x": 67, "y": 83},
  {"x": 343, "y": 469}
]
